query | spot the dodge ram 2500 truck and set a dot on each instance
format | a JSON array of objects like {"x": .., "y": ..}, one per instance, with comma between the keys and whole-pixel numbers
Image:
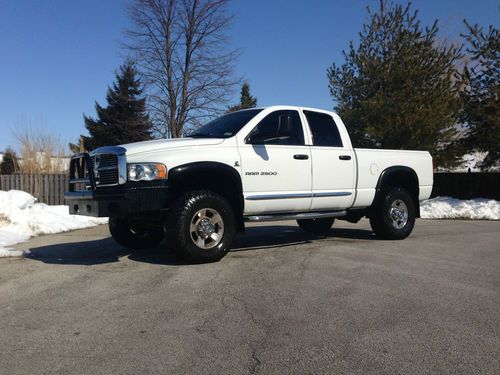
[{"x": 262, "y": 164}]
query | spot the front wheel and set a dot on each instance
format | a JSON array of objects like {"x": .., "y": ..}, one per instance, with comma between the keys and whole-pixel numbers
[
  {"x": 393, "y": 217},
  {"x": 131, "y": 235},
  {"x": 201, "y": 226},
  {"x": 316, "y": 226}
]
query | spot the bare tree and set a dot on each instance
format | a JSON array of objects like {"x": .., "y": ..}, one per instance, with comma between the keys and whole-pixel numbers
[{"x": 182, "y": 53}]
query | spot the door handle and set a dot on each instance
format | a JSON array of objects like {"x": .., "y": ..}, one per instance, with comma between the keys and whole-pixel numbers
[
  {"x": 301, "y": 157},
  {"x": 345, "y": 157}
]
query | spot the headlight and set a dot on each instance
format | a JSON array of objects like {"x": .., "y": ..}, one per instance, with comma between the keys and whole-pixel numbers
[{"x": 146, "y": 171}]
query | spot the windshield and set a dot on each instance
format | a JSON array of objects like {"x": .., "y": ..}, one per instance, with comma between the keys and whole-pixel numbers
[{"x": 225, "y": 126}]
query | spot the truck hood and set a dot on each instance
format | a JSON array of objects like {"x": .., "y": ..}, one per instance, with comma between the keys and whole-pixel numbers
[{"x": 165, "y": 144}]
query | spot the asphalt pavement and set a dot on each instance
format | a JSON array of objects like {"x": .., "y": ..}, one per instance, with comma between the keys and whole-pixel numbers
[{"x": 281, "y": 302}]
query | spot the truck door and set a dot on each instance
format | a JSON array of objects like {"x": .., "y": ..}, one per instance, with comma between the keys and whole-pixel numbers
[
  {"x": 333, "y": 164},
  {"x": 276, "y": 165}
]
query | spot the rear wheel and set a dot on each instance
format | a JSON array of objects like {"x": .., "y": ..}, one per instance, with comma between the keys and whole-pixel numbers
[
  {"x": 201, "y": 226},
  {"x": 394, "y": 215},
  {"x": 132, "y": 235},
  {"x": 317, "y": 226}
]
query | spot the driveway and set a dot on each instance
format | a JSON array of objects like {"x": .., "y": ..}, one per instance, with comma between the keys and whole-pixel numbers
[{"x": 281, "y": 302}]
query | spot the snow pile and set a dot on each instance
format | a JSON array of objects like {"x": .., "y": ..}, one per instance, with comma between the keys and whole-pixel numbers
[
  {"x": 21, "y": 218},
  {"x": 450, "y": 208},
  {"x": 8, "y": 238}
]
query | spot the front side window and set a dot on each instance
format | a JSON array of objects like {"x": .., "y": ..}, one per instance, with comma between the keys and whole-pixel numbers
[
  {"x": 278, "y": 128},
  {"x": 225, "y": 126},
  {"x": 324, "y": 130}
]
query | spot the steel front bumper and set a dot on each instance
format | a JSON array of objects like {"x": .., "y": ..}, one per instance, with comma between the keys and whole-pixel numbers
[
  {"x": 124, "y": 198},
  {"x": 119, "y": 202}
]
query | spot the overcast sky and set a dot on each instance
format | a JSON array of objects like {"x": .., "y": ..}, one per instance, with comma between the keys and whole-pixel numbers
[{"x": 58, "y": 56}]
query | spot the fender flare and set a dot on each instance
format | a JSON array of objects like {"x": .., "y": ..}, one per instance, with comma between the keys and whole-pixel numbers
[
  {"x": 179, "y": 171},
  {"x": 397, "y": 169},
  {"x": 232, "y": 189}
]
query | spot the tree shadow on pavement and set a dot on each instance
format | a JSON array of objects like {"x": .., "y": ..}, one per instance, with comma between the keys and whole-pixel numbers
[{"x": 106, "y": 250}]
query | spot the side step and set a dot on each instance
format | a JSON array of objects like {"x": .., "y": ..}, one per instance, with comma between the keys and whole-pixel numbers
[{"x": 301, "y": 216}]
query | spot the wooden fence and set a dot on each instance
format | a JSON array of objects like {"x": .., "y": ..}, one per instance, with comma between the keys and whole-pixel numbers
[
  {"x": 47, "y": 188},
  {"x": 467, "y": 185}
]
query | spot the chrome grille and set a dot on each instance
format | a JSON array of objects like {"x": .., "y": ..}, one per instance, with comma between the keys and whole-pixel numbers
[
  {"x": 105, "y": 168},
  {"x": 106, "y": 160}
]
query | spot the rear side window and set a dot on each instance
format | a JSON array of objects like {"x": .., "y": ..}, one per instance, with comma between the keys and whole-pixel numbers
[
  {"x": 278, "y": 128},
  {"x": 324, "y": 130}
]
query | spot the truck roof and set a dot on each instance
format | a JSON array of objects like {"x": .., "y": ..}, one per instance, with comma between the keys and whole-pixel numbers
[{"x": 284, "y": 106}]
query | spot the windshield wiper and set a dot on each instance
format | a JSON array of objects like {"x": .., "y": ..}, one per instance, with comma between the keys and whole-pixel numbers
[{"x": 201, "y": 135}]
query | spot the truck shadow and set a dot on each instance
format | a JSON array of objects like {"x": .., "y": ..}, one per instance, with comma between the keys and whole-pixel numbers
[
  {"x": 103, "y": 251},
  {"x": 106, "y": 250},
  {"x": 262, "y": 237}
]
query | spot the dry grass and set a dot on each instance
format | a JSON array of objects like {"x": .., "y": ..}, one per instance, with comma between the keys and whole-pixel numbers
[{"x": 41, "y": 152}]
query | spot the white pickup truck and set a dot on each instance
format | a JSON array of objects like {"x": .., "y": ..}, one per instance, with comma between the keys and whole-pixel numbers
[{"x": 262, "y": 164}]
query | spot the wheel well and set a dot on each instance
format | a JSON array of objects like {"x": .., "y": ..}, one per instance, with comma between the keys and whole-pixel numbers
[
  {"x": 403, "y": 177},
  {"x": 217, "y": 177}
]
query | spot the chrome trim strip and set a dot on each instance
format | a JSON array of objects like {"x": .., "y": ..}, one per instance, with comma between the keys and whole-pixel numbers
[
  {"x": 332, "y": 194},
  {"x": 304, "y": 215},
  {"x": 299, "y": 195},
  {"x": 116, "y": 150},
  {"x": 122, "y": 169},
  {"x": 278, "y": 196}
]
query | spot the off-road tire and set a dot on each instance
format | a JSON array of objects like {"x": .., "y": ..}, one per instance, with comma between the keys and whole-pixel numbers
[
  {"x": 384, "y": 224},
  {"x": 317, "y": 226},
  {"x": 181, "y": 217},
  {"x": 124, "y": 233}
]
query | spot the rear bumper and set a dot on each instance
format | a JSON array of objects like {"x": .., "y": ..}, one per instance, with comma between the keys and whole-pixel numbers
[{"x": 119, "y": 201}]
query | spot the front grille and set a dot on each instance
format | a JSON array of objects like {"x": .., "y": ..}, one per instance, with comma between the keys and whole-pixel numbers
[
  {"x": 105, "y": 168},
  {"x": 109, "y": 177},
  {"x": 107, "y": 160}
]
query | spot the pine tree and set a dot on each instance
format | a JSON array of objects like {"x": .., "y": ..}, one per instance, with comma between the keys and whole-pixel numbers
[
  {"x": 246, "y": 99},
  {"x": 482, "y": 93},
  {"x": 9, "y": 162},
  {"x": 398, "y": 89},
  {"x": 124, "y": 119}
]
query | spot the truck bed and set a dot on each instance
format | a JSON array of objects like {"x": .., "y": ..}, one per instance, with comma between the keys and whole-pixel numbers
[{"x": 371, "y": 163}]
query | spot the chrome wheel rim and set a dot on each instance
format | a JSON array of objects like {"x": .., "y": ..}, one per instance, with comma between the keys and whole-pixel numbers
[
  {"x": 206, "y": 228},
  {"x": 398, "y": 214}
]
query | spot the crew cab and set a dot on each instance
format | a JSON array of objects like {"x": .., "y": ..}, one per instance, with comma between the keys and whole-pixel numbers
[{"x": 259, "y": 164}]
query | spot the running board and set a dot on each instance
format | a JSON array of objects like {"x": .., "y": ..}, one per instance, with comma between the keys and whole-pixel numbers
[{"x": 302, "y": 216}]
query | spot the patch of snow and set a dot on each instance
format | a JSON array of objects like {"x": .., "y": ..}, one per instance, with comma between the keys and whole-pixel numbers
[
  {"x": 21, "y": 218},
  {"x": 450, "y": 208},
  {"x": 470, "y": 163},
  {"x": 8, "y": 238}
]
